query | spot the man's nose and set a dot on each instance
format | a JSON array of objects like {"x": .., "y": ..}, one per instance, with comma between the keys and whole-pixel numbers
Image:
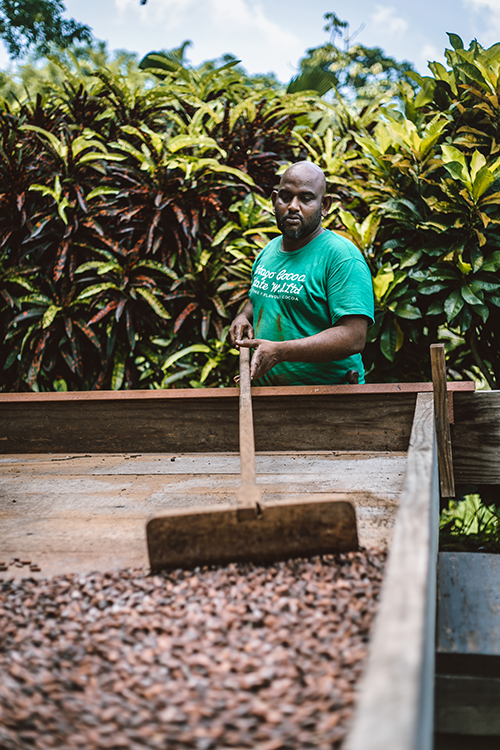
[{"x": 294, "y": 204}]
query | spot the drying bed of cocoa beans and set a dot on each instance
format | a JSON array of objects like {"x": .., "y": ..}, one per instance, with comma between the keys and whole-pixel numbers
[{"x": 244, "y": 656}]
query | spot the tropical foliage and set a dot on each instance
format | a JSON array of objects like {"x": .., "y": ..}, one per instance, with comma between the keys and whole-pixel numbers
[
  {"x": 130, "y": 216},
  {"x": 134, "y": 200}
]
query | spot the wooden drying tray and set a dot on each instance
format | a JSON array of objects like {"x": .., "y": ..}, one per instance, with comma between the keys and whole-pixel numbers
[{"x": 373, "y": 417}]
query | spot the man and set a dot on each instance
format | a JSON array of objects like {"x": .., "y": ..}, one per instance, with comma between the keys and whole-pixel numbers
[{"x": 311, "y": 297}]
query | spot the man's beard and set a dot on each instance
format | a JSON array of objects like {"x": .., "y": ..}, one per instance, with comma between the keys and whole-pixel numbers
[{"x": 304, "y": 229}]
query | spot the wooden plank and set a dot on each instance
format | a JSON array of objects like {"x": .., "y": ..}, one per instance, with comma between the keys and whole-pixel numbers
[
  {"x": 468, "y": 620},
  {"x": 222, "y": 393},
  {"x": 380, "y": 422},
  {"x": 475, "y": 438},
  {"x": 468, "y": 705},
  {"x": 249, "y": 495},
  {"x": 295, "y": 528},
  {"x": 441, "y": 412},
  {"x": 78, "y": 513},
  {"x": 395, "y": 707}
]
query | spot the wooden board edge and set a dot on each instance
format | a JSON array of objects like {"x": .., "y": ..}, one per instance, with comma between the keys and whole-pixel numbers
[
  {"x": 216, "y": 393},
  {"x": 396, "y": 704},
  {"x": 218, "y": 535}
]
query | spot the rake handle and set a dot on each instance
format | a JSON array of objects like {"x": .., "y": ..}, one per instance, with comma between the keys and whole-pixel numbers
[{"x": 248, "y": 493}]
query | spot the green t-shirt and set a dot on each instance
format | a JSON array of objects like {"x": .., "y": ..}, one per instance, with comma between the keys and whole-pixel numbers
[{"x": 297, "y": 294}]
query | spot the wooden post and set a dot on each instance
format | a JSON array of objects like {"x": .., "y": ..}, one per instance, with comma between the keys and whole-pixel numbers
[
  {"x": 248, "y": 493},
  {"x": 441, "y": 411},
  {"x": 395, "y": 706}
]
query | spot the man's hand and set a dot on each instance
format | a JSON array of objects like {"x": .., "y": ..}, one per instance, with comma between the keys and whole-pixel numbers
[
  {"x": 267, "y": 354},
  {"x": 241, "y": 328}
]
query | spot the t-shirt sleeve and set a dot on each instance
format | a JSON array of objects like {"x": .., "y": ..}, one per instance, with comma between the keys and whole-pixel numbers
[{"x": 350, "y": 290}]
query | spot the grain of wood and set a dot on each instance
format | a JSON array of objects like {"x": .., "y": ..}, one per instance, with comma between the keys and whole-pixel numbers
[
  {"x": 476, "y": 437},
  {"x": 395, "y": 707},
  {"x": 249, "y": 495},
  {"x": 468, "y": 705},
  {"x": 468, "y": 603},
  {"x": 296, "y": 418},
  {"x": 441, "y": 411}
]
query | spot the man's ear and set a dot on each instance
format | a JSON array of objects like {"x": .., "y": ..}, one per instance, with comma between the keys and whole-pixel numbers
[
  {"x": 326, "y": 205},
  {"x": 274, "y": 195}
]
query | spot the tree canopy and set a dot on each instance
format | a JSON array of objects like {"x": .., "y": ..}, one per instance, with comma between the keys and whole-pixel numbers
[{"x": 38, "y": 25}]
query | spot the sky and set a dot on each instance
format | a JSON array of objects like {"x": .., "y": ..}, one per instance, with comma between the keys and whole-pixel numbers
[{"x": 272, "y": 35}]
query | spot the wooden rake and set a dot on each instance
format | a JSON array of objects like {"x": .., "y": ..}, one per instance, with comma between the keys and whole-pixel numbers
[{"x": 251, "y": 530}]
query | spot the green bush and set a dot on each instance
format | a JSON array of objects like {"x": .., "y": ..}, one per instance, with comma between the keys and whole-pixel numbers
[{"x": 134, "y": 201}]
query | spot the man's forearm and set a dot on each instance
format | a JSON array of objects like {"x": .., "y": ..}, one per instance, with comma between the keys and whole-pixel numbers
[
  {"x": 339, "y": 342},
  {"x": 330, "y": 345}
]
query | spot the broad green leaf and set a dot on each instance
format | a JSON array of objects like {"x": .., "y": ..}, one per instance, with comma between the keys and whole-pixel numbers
[
  {"x": 470, "y": 297},
  {"x": 167, "y": 380},
  {"x": 207, "y": 369},
  {"x": 61, "y": 209},
  {"x": 483, "y": 285},
  {"x": 153, "y": 302},
  {"x": 451, "y": 154},
  {"x": 118, "y": 371},
  {"x": 410, "y": 258},
  {"x": 58, "y": 146},
  {"x": 96, "y": 155},
  {"x": 405, "y": 310},
  {"x": 102, "y": 191},
  {"x": 483, "y": 180},
  {"x": 453, "y": 305},
  {"x": 455, "y": 41},
  {"x": 432, "y": 286},
  {"x": 202, "y": 142},
  {"x": 492, "y": 263},
  {"x": 388, "y": 340},
  {"x": 49, "y": 315},
  {"x": 99, "y": 265},
  {"x": 91, "y": 291},
  {"x": 222, "y": 233},
  {"x": 382, "y": 281},
  {"x": 477, "y": 162},
  {"x": 156, "y": 266},
  {"x": 426, "y": 93},
  {"x": 435, "y": 308},
  {"x": 482, "y": 311},
  {"x": 183, "y": 352}
]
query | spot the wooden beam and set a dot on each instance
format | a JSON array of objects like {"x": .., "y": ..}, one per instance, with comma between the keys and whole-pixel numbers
[
  {"x": 441, "y": 411},
  {"x": 468, "y": 705},
  {"x": 395, "y": 707},
  {"x": 231, "y": 393},
  {"x": 375, "y": 418},
  {"x": 475, "y": 437},
  {"x": 468, "y": 619}
]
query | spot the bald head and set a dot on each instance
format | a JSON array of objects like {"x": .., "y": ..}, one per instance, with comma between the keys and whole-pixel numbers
[
  {"x": 300, "y": 203},
  {"x": 308, "y": 174}
]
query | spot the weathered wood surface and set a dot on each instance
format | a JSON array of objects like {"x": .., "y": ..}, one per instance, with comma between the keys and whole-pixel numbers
[
  {"x": 441, "y": 412},
  {"x": 211, "y": 393},
  {"x": 78, "y": 513},
  {"x": 296, "y": 418},
  {"x": 249, "y": 495},
  {"x": 468, "y": 619},
  {"x": 282, "y": 530},
  {"x": 395, "y": 707},
  {"x": 468, "y": 705},
  {"x": 475, "y": 437}
]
